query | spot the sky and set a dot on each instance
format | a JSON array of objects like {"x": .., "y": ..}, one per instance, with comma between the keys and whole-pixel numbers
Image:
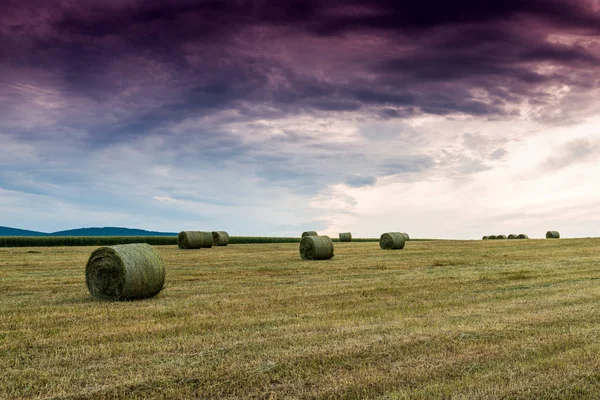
[{"x": 441, "y": 119}]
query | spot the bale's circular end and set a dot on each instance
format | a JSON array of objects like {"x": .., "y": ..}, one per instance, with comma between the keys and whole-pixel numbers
[
  {"x": 392, "y": 241},
  {"x": 105, "y": 274},
  {"x": 309, "y": 233},
  {"x": 552, "y": 235},
  {"x": 316, "y": 248}
]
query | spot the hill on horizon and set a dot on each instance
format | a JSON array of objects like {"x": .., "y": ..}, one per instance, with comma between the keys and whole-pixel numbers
[{"x": 95, "y": 231}]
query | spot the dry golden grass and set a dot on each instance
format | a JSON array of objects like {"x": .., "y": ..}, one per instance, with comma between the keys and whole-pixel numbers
[{"x": 442, "y": 319}]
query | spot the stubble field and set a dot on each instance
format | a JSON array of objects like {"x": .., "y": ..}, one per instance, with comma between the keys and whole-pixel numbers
[{"x": 440, "y": 319}]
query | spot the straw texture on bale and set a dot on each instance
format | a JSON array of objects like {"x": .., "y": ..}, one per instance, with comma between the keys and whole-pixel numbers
[
  {"x": 492, "y": 237},
  {"x": 309, "y": 233},
  {"x": 406, "y": 237},
  {"x": 207, "y": 239},
  {"x": 500, "y": 236},
  {"x": 552, "y": 235},
  {"x": 512, "y": 236},
  {"x": 190, "y": 239},
  {"x": 346, "y": 237},
  {"x": 316, "y": 248},
  {"x": 522, "y": 236},
  {"x": 392, "y": 241},
  {"x": 125, "y": 272},
  {"x": 220, "y": 238}
]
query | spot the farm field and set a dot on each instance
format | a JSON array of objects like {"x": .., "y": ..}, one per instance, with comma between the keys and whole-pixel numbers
[{"x": 516, "y": 319}]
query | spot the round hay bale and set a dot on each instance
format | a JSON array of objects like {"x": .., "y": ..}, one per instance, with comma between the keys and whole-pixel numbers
[
  {"x": 522, "y": 236},
  {"x": 125, "y": 272},
  {"x": 512, "y": 236},
  {"x": 392, "y": 241},
  {"x": 309, "y": 233},
  {"x": 346, "y": 237},
  {"x": 492, "y": 237},
  {"x": 406, "y": 237},
  {"x": 316, "y": 248},
  {"x": 552, "y": 235},
  {"x": 190, "y": 239},
  {"x": 220, "y": 238},
  {"x": 207, "y": 239},
  {"x": 498, "y": 237},
  {"x": 485, "y": 238}
]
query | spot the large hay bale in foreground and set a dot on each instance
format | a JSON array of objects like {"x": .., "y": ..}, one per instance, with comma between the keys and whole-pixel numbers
[
  {"x": 346, "y": 237},
  {"x": 492, "y": 237},
  {"x": 191, "y": 239},
  {"x": 309, "y": 233},
  {"x": 125, "y": 272},
  {"x": 316, "y": 248},
  {"x": 220, "y": 238},
  {"x": 522, "y": 236},
  {"x": 552, "y": 235},
  {"x": 392, "y": 241},
  {"x": 207, "y": 239},
  {"x": 500, "y": 237},
  {"x": 512, "y": 236}
]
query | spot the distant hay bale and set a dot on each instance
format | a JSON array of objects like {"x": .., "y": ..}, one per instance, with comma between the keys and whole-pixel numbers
[
  {"x": 552, "y": 235},
  {"x": 406, "y": 237},
  {"x": 512, "y": 236},
  {"x": 500, "y": 237},
  {"x": 485, "y": 238},
  {"x": 522, "y": 236},
  {"x": 220, "y": 238},
  {"x": 392, "y": 241},
  {"x": 309, "y": 233},
  {"x": 316, "y": 248},
  {"x": 492, "y": 237},
  {"x": 191, "y": 239},
  {"x": 345, "y": 237},
  {"x": 125, "y": 272}
]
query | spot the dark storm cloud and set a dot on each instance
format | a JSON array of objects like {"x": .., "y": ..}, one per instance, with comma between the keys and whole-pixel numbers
[{"x": 141, "y": 65}]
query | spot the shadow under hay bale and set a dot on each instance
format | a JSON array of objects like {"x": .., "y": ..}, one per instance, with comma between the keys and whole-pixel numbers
[
  {"x": 191, "y": 239},
  {"x": 392, "y": 241},
  {"x": 552, "y": 235},
  {"x": 345, "y": 237},
  {"x": 309, "y": 233},
  {"x": 522, "y": 236},
  {"x": 316, "y": 248},
  {"x": 220, "y": 238},
  {"x": 125, "y": 272}
]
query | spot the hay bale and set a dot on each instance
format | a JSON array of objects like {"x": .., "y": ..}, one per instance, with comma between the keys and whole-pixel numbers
[
  {"x": 309, "y": 233},
  {"x": 346, "y": 237},
  {"x": 406, "y": 237},
  {"x": 392, "y": 241},
  {"x": 316, "y": 248},
  {"x": 512, "y": 236},
  {"x": 522, "y": 236},
  {"x": 485, "y": 238},
  {"x": 220, "y": 238},
  {"x": 125, "y": 272},
  {"x": 191, "y": 239},
  {"x": 498, "y": 237},
  {"x": 492, "y": 237},
  {"x": 552, "y": 235}
]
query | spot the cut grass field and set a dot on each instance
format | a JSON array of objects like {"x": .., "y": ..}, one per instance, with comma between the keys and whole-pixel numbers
[{"x": 439, "y": 319}]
